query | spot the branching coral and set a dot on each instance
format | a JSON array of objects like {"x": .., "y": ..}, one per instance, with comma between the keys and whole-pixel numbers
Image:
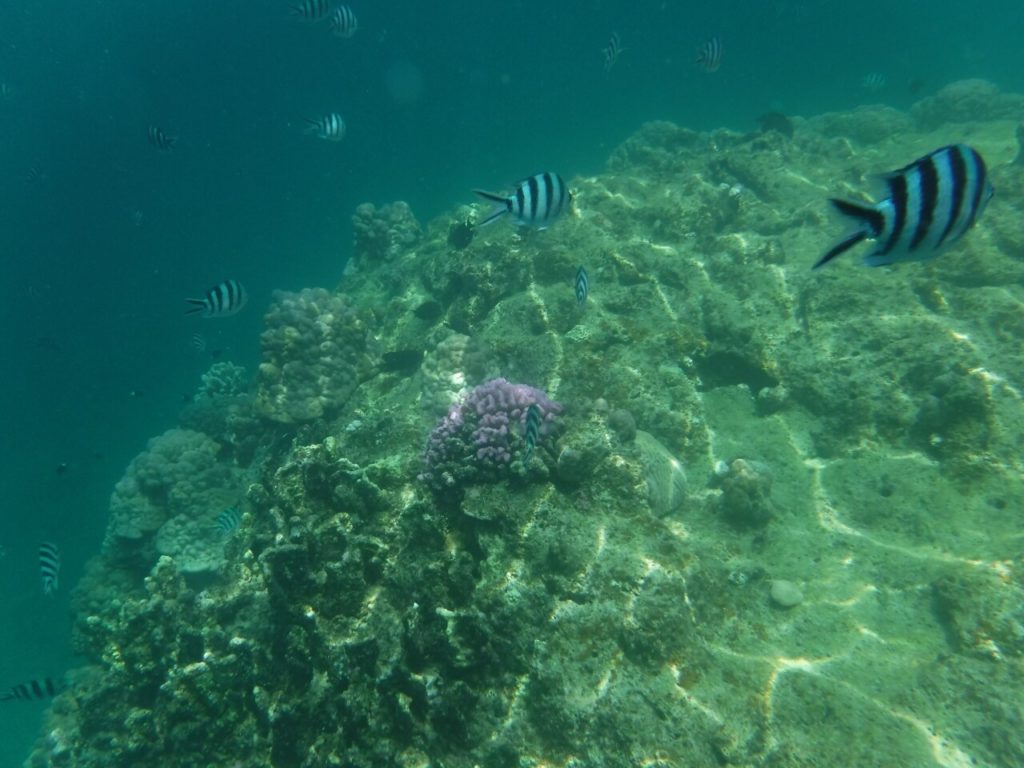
[{"x": 478, "y": 437}]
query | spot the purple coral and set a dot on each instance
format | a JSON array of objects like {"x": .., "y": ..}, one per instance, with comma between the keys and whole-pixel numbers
[{"x": 477, "y": 438}]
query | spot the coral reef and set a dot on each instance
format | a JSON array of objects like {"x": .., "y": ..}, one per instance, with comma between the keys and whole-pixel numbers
[
  {"x": 381, "y": 234},
  {"x": 315, "y": 353},
  {"x": 835, "y": 581},
  {"x": 167, "y": 501}
]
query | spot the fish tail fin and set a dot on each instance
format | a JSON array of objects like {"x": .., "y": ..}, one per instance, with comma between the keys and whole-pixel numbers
[
  {"x": 843, "y": 245},
  {"x": 501, "y": 208},
  {"x": 492, "y": 196},
  {"x": 198, "y": 305},
  {"x": 870, "y": 222}
]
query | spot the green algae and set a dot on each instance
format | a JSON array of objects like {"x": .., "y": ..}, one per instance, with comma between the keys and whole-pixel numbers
[{"x": 853, "y": 431}]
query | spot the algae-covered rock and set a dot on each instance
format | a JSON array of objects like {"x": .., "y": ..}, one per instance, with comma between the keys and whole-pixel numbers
[{"x": 851, "y": 432}]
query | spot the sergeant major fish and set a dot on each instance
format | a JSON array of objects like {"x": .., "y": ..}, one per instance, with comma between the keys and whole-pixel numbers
[
  {"x": 709, "y": 55},
  {"x": 49, "y": 566},
  {"x": 227, "y": 521},
  {"x": 582, "y": 285},
  {"x": 34, "y": 689},
  {"x": 931, "y": 203},
  {"x": 536, "y": 201},
  {"x": 224, "y": 299},
  {"x": 159, "y": 139},
  {"x": 612, "y": 51},
  {"x": 533, "y": 420},
  {"x": 312, "y": 10},
  {"x": 343, "y": 22},
  {"x": 330, "y": 127}
]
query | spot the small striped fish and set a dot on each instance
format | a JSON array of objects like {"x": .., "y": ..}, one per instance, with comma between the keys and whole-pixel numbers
[
  {"x": 329, "y": 127},
  {"x": 198, "y": 342},
  {"x": 932, "y": 202},
  {"x": 159, "y": 139},
  {"x": 582, "y": 286},
  {"x": 312, "y": 10},
  {"x": 49, "y": 566},
  {"x": 224, "y": 299},
  {"x": 227, "y": 521},
  {"x": 533, "y": 420},
  {"x": 873, "y": 81},
  {"x": 612, "y": 51},
  {"x": 34, "y": 690},
  {"x": 709, "y": 55},
  {"x": 344, "y": 23},
  {"x": 536, "y": 201}
]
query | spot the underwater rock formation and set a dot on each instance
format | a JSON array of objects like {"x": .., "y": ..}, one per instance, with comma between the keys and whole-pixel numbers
[
  {"x": 177, "y": 478},
  {"x": 315, "y": 353},
  {"x": 381, "y": 234},
  {"x": 362, "y": 618}
]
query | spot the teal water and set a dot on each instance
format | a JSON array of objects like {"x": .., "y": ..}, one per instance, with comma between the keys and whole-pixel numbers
[{"x": 439, "y": 99}]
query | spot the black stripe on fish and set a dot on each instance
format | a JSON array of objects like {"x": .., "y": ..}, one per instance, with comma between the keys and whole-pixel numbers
[
  {"x": 928, "y": 191},
  {"x": 958, "y": 176},
  {"x": 49, "y": 566},
  {"x": 980, "y": 182}
]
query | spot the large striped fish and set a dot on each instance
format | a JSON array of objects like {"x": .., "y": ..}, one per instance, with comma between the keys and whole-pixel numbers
[
  {"x": 535, "y": 202},
  {"x": 224, "y": 299},
  {"x": 932, "y": 202}
]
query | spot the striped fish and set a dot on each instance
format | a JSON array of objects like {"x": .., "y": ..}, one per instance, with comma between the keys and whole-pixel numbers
[
  {"x": 312, "y": 10},
  {"x": 932, "y": 202},
  {"x": 533, "y": 420},
  {"x": 536, "y": 201},
  {"x": 224, "y": 299},
  {"x": 612, "y": 51},
  {"x": 198, "y": 342},
  {"x": 344, "y": 23},
  {"x": 582, "y": 285},
  {"x": 329, "y": 127},
  {"x": 34, "y": 690},
  {"x": 227, "y": 521},
  {"x": 159, "y": 139},
  {"x": 49, "y": 566},
  {"x": 709, "y": 55}
]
